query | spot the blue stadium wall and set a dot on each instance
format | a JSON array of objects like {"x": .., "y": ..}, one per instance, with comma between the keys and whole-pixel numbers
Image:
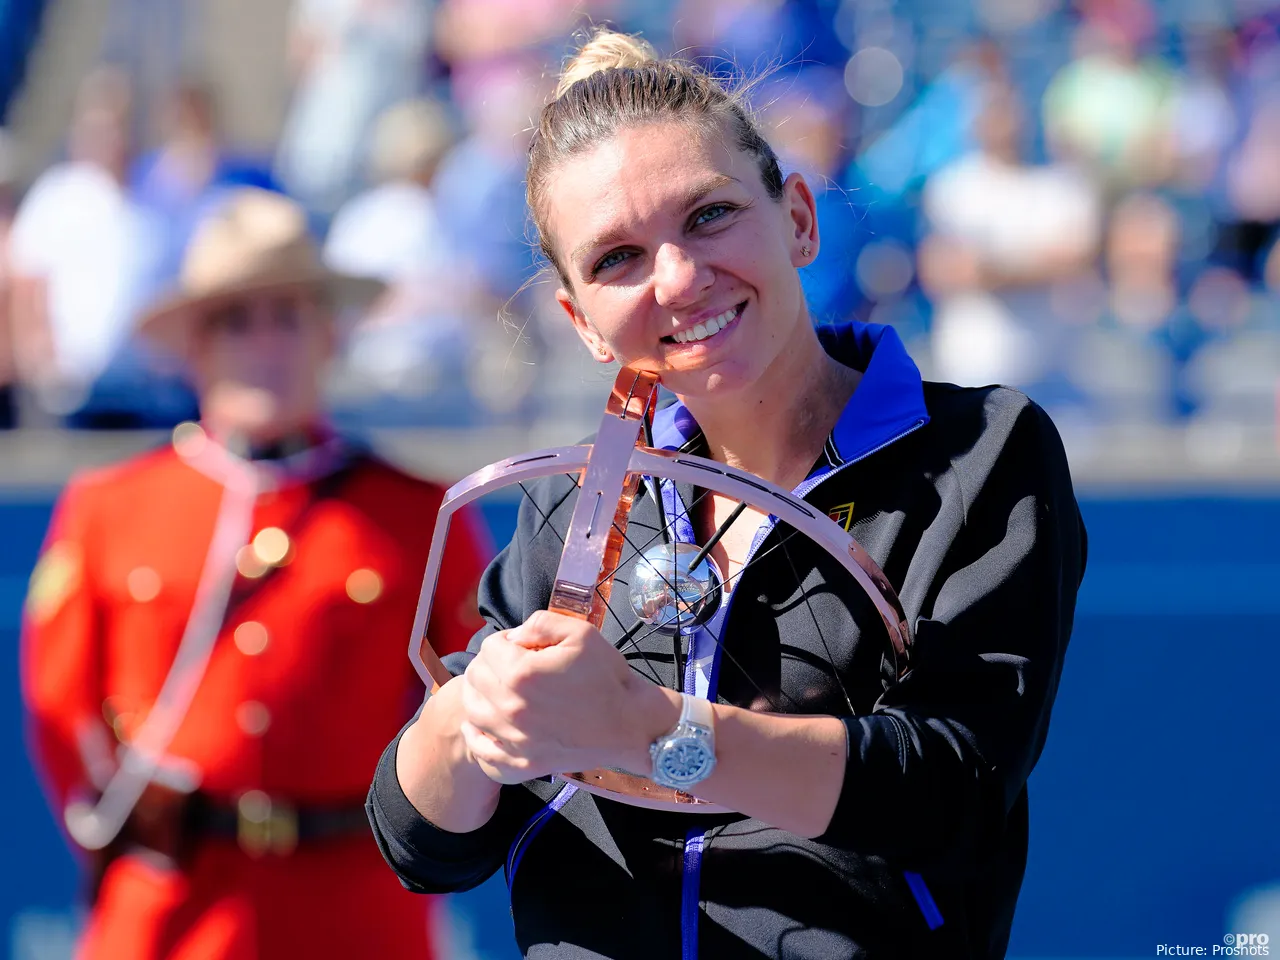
[{"x": 1153, "y": 810}]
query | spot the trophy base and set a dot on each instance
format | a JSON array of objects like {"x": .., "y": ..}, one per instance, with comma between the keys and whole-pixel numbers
[{"x": 640, "y": 792}]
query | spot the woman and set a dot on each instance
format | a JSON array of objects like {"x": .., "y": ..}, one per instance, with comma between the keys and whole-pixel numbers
[{"x": 878, "y": 819}]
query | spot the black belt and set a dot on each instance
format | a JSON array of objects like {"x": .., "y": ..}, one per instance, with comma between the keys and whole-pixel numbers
[{"x": 262, "y": 824}]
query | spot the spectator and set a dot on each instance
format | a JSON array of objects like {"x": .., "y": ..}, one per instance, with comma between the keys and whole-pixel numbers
[
  {"x": 392, "y": 230},
  {"x": 351, "y": 59},
  {"x": 1141, "y": 257},
  {"x": 176, "y": 183},
  {"x": 1253, "y": 186},
  {"x": 1110, "y": 110},
  {"x": 1002, "y": 233},
  {"x": 418, "y": 339},
  {"x": 476, "y": 31},
  {"x": 79, "y": 250},
  {"x": 480, "y": 183},
  {"x": 810, "y": 119},
  {"x": 1145, "y": 315},
  {"x": 1203, "y": 114},
  {"x": 480, "y": 192}
]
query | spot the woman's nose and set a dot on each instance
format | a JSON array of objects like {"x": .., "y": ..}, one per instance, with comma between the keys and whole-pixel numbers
[{"x": 678, "y": 278}]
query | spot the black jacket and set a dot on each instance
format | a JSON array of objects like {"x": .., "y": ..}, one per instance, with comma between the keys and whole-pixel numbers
[{"x": 970, "y": 513}]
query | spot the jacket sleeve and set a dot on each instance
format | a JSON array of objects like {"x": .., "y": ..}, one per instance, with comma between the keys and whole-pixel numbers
[
  {"x": 425, "y": 858},
  {"x": 61, "y": 658},
  {"x": 935, "y": 769}
]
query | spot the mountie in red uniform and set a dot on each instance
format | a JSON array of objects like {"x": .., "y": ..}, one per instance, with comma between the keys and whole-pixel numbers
[{"x": 226, "y": 638}]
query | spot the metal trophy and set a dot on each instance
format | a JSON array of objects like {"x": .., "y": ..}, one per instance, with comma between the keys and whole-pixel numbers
[{"x": 673, "y": 582}]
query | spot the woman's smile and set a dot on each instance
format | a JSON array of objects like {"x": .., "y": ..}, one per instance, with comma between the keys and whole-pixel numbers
[{"x": 707, "y": 334}]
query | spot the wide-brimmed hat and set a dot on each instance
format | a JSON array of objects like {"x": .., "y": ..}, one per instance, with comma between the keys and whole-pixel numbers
[{"x": 254, "y": 241}]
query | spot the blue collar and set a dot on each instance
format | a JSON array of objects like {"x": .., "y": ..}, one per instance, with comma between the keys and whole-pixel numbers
[{"x": 888, "y": 403}]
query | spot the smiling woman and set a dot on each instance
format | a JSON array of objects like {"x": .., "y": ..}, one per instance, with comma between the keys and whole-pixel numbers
[
  {"x": 673, "y": 232},
  {"x": 878, "y": 812},
  {"x": 675, "y": 237}
]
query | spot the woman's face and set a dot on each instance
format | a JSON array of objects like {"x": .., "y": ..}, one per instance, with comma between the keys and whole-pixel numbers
[{"x": 678, "y": 260}]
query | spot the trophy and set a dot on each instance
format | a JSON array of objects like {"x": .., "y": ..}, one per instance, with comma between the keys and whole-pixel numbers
[{"x": 674, "y": 587}]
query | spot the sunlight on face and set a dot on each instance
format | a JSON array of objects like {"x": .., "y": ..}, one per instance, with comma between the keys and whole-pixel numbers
[{"x": 679, "y": 261}]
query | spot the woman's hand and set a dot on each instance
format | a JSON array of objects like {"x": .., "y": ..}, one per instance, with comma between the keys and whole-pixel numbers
[{"x": 553, "y": 696}]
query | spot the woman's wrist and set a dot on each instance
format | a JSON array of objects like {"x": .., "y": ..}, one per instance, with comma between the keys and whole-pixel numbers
[
  {"x": 437, "y": 772},
  {"x": 653, "y": 711}
]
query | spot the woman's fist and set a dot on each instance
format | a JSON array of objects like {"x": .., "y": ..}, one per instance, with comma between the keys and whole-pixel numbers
[{"x": 552, "y": 696}]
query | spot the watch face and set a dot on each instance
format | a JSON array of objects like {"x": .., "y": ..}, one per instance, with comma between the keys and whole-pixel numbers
[{"x": 684, "y": 760}]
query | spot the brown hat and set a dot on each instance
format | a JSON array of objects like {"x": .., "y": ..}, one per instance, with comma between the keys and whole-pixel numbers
[{"x": 256, "y": 241}]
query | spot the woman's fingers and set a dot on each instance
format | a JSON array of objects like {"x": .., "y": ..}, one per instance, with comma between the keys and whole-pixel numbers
[
  {"x": 545, "y": 694},
  {"x": 544, "y": 629},
  {"x": 483, "y": 714},
  {"x": 492, "y": 756},
  {"x": 482, "y": 676}
]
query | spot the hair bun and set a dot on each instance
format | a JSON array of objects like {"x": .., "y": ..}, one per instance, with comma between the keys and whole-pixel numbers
[{"x": 605, "y": 50}]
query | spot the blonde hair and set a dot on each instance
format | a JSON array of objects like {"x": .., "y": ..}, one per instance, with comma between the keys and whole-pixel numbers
[
  {"x": 618, "y": 80},
  {"x": 606, "y": 50}
]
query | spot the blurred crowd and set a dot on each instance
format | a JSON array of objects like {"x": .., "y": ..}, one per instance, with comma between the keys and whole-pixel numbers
[{"x": 1081, "y": 199}]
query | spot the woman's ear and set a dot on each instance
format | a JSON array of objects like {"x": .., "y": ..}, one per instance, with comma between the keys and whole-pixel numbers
[
  {"x": 586, "y": 331},
  {"x": 802, "y": 219}
]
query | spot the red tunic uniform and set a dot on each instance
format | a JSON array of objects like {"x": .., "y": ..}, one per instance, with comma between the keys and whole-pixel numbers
[{"x": 304, "y": 685}]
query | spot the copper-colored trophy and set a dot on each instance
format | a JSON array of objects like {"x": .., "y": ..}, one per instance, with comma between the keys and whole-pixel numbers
[{"x": 609, "y": 472}]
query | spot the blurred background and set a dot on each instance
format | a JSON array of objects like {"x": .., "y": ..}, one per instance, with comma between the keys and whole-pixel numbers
[{"x": 1081, "y": 199}]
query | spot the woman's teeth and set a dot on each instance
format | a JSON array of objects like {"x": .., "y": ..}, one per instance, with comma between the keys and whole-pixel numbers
[{"x": 707, "y": 328}]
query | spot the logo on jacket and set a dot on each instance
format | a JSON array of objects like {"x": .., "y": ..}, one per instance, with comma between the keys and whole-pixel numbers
[
  {"x": 842, "y": 515},
  {"x": 55, "y": 578}
]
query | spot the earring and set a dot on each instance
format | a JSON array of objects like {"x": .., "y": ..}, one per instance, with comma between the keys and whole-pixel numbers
[{"x": 804, "y": 252}]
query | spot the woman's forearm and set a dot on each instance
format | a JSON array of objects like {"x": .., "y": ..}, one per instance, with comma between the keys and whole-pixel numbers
[
  {"x": 552, "y": 696},
  {"x": 787, "y": 771},
  {"x": 436, "y": 771}
]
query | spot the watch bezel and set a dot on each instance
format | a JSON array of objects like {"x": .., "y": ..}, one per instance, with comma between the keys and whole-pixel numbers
[{"x": 685, "y": 733}]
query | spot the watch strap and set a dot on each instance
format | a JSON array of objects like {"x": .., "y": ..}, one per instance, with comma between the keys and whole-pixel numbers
[{"x": 697, "y": 711}]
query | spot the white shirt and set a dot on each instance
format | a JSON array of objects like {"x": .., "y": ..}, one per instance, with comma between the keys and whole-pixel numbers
[
  {"x": 422, "y": 327},
  {"x": 78, "y": 230},
  {"x": 1012, "y": 215},
  {"x": 391, "y": 232}
]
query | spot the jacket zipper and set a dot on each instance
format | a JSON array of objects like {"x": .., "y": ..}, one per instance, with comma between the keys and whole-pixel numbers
[
  {"x": 804, "y": 488},
  {"x": 918, "y": 889},
  {"x": 809, "y": 486},
  {"x": 802, "y": 491}
]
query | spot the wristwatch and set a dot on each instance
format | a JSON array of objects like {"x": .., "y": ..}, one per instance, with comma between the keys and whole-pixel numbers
[{"x": 687, "y": 754}]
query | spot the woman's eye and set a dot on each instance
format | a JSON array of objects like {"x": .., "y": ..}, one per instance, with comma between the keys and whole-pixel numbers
[
  {"x": 708, "y": 214},
  {"x": 611, "y": 259}
]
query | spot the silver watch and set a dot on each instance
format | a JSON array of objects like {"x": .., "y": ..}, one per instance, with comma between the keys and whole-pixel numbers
[{"x": 687, "y": 754}]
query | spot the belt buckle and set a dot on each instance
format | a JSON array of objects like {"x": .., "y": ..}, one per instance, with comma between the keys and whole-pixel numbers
[{"x": 265, "y": 826}]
